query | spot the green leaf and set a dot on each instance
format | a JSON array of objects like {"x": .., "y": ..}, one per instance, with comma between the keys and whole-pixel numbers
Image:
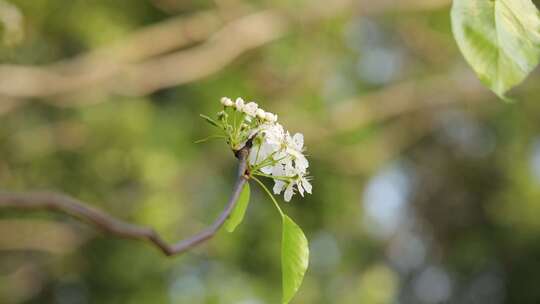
[
  {"x": 209, "y": 120},
  {"x": 294, "y": 258},
  {"x": 499, "y": 38},
  {"x": 237, "y": 214}
]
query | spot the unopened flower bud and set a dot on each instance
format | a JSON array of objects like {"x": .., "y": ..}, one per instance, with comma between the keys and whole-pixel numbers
[
  {"x": 239, "y": 104},
  {"x": 260, "y": 113},
  {"x": 227, "y": 102},
  {"x": 270, "y": 117},
  {"x": 222, "y": 115}
]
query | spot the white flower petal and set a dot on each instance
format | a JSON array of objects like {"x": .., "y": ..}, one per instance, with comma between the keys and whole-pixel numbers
[
  {"x": 307, "y": 185},
  {"x": 288, "y": 192},
  {"x": 278, "y": 170},
  {"x": 300, "y": 188},
  {"x": 298, "y": 140},
  {"x": 265, "y": 152},
  {"x": 260, "y": 113},
  {"x": 266, "y": 170},
  {"x": 250, "y": 109},
  {"x": 252, "y": 158},
  {"x": 239, "y": 104},
  {"x": 301, "y": 163},
  {"x": 294, "y": 153},
  {"x": 279, "y": 185},
  {"x": 289, "y": 169}
]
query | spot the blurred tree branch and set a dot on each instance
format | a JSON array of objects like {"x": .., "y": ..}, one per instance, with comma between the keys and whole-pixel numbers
[
  {"x": 129, "y": 67},
  {"x": 96, "y": 67},
  {"x": 227, "y": 44},
  {"x": 397, "y": 100},
  {"x": 136, "y": 65},
  {"x": 65, "y": 204},
  {"x": 405, "y": 109}
]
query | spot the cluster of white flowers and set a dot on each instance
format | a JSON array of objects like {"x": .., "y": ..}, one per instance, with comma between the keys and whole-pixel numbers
[
  {"x": 275, "y": 153},
  {"x": 251, "y": 109}
]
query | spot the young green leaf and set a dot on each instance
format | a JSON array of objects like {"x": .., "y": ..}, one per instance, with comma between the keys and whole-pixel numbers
[
  {"x": 237, "y": 214},
  {"x": 499, "y": 38},
  {"x": 294, "y": 258},
  {"x": 209, "y": 120}
]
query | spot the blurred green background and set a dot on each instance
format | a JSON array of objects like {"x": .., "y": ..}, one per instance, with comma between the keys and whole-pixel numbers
[{"x": 426, "y": 186}]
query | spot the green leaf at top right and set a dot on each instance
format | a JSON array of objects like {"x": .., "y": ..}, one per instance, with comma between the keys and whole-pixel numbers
[{"x": 499, "y": 38}]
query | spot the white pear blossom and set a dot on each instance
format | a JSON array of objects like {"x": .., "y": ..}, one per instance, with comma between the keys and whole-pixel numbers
[
  {"x": 251, "y": 109},
  {"x": 274, "y": 153},
  {"x": 297, "y": 178},
  {"x": 295, "y": 146},
  {"x": 280, "y": 156}
]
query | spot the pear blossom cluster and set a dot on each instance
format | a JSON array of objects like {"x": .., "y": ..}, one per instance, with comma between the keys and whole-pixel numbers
[
  {"x": 251, "y": 109},
  {"x": 275, "y": 152}
]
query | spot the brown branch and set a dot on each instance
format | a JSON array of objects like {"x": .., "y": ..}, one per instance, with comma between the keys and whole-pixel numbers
[{"x": 65, "y": 204}]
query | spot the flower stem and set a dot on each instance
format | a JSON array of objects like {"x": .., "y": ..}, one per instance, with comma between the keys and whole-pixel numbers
[
  {"x": 261, "y": 165},
  {"x": 269, "y": 194},
  {"x": 285, "y": 179},
  {"x": 257, "y": 156},
  {"x": 268, "y": 162}
]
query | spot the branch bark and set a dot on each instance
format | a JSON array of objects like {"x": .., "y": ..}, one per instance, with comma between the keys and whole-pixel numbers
[{"x": 65, "y": 204}]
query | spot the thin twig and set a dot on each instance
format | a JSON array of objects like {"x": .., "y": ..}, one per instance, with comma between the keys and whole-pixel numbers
[{"x": 65, "y": 204}]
